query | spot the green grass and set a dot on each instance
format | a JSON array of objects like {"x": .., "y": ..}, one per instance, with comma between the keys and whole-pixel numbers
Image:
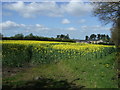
[
  {"x": 99, "y": 73},
  {"x": 58, "y": 65}
]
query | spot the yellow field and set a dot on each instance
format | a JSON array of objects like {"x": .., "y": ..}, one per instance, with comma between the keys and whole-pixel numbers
[
  {"x": 93, "y": 64},
  {"x": 48, "y": 51}
]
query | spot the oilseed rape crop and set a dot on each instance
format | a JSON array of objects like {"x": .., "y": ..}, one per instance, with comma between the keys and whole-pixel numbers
[
  {"x": 25, "y": 42},
  {"x": 17, "y": 53}
]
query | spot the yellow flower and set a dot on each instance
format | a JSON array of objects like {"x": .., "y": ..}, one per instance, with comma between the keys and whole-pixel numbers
[{"x": 107, "y": 65}]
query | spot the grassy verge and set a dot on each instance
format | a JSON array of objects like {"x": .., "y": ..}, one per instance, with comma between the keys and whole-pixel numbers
[{"x": 70, "y": 73}]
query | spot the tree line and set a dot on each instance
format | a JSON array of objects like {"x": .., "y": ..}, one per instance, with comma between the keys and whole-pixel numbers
[
  {"x": 98, "y": 37},
  {"x": 61, "y": 38}
]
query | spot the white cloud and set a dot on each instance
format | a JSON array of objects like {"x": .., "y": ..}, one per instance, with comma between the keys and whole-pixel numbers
[
  {"x": 65, "y": 21},
  {"x": 71, "y": 28},
  {"x": 33, "y": 9},
  {"x": 94, "y": 28},
  {"x": 51, "y": 9},
  {"x": 77, "y": 8},
  {"x": 40, "y": 27},
  {"x": 10, "y": 25}
]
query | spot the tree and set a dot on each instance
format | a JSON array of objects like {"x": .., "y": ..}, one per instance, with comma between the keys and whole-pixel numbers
[
  {"x": 108, "y": 38},
  {"x": 109, "y": 12},
  {"x": 58, "y": 36},
  {"x": 93, "y": 37},
  {"x": 67, "y": 36},
  {"x": 103, "y": 36},
  {"x": 19, "y": 36},
  {"x": 98, "y": 36},
  {"x": 86, "y": 38},
  {"x": 63, "y": 36},
  {"x": 115, "y": 35},
  {"x": 30, "y": 36}
]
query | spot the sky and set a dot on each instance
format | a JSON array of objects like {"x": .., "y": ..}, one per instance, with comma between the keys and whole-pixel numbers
[{"x": 50, "y": 19}]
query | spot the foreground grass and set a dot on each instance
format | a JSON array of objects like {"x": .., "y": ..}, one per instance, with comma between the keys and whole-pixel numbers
[{"x": 70, "y": 73}]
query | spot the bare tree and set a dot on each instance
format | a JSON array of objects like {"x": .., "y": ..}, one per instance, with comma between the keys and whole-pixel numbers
[{"x": 109, "y": 12}]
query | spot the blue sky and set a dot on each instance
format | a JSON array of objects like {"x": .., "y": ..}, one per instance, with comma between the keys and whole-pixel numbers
[{"x": 50, "y": 19}]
